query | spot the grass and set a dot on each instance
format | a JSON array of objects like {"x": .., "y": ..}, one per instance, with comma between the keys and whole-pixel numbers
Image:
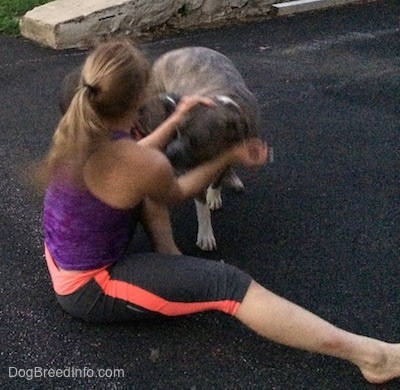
[{"x": 11, "y": 10}]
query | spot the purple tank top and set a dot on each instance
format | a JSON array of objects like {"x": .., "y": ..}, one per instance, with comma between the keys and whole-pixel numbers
[{"x": 82, "y": 232}]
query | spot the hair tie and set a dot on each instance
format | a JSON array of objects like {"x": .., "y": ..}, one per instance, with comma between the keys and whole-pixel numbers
[{"x": 90, "y": 88}]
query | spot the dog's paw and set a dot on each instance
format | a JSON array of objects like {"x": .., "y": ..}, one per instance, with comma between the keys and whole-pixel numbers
[
  {"x": 206, "y": 242},
  {"x": 214, "y": 198},
  {"x": 205, "y": 234}
]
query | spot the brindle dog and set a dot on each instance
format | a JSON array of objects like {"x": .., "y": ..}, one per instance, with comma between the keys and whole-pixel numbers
[{"x": 206, "y": 131}]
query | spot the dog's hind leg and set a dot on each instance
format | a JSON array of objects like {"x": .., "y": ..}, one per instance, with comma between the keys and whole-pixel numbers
[{"x": 205, "y": 234}]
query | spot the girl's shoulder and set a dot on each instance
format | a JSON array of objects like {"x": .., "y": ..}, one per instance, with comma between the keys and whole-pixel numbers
[
  {"x": 122, "y": 173},
  {"x": 131, "y": 154}
]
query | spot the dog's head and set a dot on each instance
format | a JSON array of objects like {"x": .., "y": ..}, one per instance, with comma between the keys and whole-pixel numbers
[{"x": 207, "y": 131}]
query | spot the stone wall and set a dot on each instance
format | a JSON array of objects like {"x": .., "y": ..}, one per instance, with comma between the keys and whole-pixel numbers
[
  {"x": 75, "y": 23},
  {"x": 65, "y": 24},
  {"x": 193, "y": 13}
]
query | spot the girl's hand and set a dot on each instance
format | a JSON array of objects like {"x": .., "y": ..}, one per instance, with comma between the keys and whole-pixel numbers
[
  {"x": 164, "y": 132},
  {"x": 252, "y": 152},
  {"x": 186, "y": 103}
]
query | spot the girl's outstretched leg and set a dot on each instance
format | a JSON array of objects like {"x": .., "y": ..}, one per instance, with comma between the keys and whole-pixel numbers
[{"x": 287, "y": 323}]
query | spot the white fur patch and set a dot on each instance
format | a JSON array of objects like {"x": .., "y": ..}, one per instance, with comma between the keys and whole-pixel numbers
[
  {"x": 214, "y": 198},
  {"x": 205, "y": 235}
]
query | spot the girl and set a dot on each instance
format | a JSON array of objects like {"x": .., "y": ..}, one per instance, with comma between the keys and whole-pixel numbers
[{"x": 100, "y": 181}]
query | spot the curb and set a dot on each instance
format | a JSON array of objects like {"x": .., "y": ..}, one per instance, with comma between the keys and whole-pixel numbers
[
  {"x": 66, "y": 24},
  {"x": 299, "y": 6}
]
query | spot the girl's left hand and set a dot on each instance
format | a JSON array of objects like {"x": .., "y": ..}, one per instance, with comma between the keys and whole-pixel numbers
[{"x": 252, "y": 152}]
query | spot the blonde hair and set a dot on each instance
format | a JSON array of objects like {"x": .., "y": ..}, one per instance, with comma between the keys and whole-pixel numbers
[{"x": 112, "y": 83}]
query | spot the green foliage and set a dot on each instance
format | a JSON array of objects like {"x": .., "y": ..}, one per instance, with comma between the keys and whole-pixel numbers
[{"x": 11, "y": 10}]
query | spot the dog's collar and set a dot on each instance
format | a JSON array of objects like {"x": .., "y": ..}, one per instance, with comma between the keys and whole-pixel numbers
[{"x": 224, "y": 99}]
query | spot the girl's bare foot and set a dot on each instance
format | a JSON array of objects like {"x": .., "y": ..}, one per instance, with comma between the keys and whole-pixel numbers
[{"x": 385, "y": 365}]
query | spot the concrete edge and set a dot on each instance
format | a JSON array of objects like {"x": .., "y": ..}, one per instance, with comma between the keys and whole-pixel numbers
[{"x": 300, "y": 6}]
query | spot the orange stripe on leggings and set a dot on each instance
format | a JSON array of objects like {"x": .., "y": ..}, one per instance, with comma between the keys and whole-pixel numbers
[{"x": 138, "y": 296}]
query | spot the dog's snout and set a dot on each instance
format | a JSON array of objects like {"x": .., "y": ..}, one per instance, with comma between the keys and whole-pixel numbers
[
  {"x": 178, "y": 155},
  {"x": 174, "y": 152}
]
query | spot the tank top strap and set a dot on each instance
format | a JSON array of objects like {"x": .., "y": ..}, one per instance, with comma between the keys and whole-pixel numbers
[{"x": 119, "y": 134}]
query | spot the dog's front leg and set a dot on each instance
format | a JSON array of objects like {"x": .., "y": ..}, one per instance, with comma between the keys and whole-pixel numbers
[
  {"x": 205, "y": 234},
  {"x": 213, "y": 195},
  {"x": 214, "y": 198}
]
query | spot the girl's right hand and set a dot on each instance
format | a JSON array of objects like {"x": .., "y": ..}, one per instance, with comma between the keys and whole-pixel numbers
[{"x": 186, "y": 103}]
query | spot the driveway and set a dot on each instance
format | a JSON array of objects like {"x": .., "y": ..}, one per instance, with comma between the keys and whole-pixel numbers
[{"x": 319, "y": 226}]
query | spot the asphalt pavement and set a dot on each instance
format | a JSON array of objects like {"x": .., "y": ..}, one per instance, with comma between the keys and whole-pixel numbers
[{"x": 319, "y": 226}]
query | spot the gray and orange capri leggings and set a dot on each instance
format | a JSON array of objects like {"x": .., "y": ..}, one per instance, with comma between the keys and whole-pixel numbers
[{"x": 149, "y": 285}]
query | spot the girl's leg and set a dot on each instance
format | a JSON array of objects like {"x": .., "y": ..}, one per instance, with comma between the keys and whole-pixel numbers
[
  {"x": 157, "y": 223},
  {"x": 284, "y": 322},
  {"x": 151, "y": 285}
]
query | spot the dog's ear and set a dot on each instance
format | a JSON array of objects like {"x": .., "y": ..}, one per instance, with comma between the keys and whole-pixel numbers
[
  {"x": 170, "y": 101},
  {"x": 228, "y": 102},
  {"x": 235, "y": 118}
]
